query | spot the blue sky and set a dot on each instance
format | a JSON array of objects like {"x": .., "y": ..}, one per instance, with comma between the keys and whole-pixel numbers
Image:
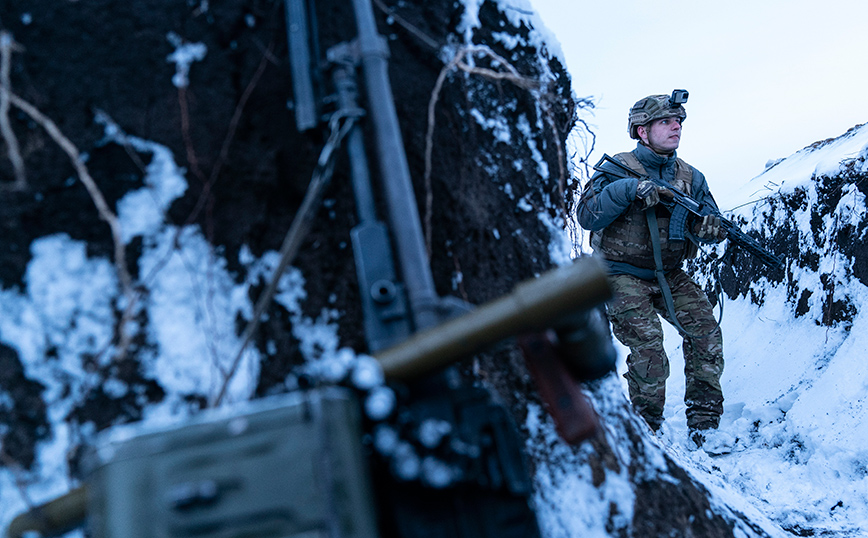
[{"x": 766, "y": 77}]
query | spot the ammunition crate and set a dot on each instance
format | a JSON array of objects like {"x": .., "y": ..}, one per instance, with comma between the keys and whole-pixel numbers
[{"x": 288, "y": 467}]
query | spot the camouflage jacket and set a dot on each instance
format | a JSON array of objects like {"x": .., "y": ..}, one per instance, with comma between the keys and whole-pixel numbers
[{"x": 619, "y": 229}]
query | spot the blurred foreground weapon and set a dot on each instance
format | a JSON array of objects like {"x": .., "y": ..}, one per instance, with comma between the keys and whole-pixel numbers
[
  {"x": 393, "y": 308},
  {"x": 415, "y": 333},
  {"x": 736, "y": 237},
  {"x": 562, "y": 335},
  {"x": 246, "y": 472}
]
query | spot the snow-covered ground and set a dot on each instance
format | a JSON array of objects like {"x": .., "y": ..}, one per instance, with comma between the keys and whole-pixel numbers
[
  {"x": 796, "y": 391},
  {"x": 796, "y": 408}
]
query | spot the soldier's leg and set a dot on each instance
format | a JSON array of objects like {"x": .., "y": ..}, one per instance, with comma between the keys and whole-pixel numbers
[
  {"x": 703, "y": 355},
  {"x": 636, "y": 325}
]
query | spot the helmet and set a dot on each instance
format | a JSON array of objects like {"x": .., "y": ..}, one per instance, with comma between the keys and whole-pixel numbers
[{"x": 655, "y": 107}]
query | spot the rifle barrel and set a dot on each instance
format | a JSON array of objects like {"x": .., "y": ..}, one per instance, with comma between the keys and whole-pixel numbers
[{"x": 532, "y": 305}]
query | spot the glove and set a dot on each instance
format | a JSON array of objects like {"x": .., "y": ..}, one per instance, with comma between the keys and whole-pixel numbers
[
  {"x": 646, "y": 194},
  {"x": 708, "y": 229}
]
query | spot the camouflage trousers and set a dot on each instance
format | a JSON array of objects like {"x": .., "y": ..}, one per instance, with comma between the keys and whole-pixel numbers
[{"x": 633, "y": 313}]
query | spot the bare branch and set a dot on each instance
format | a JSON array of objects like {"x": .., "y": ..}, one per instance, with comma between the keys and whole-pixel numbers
[
  {"x": 419, "y": 34},
  {"x": 99, "y": 201},
  {"x": 230, "y": 135},
  {"x": 7, "y": 46},
  {"x": 292, "y": 242},
  {"x": 429, "y": 143}
]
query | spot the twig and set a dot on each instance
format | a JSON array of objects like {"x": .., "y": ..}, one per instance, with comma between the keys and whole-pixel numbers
[
  {"x": 99, "y": 201},
  {"x": 562, "y": 173},
  {"x": 185, "y": 132},
  {"x": 7, "y": 45},
  {"x": 429, "y": 145},
  {"x": 419, "y": 34},
  {"x": 298, "y": 230},
  {"x": 512, "y": 76},
  {"x": 230, "y": 135}
]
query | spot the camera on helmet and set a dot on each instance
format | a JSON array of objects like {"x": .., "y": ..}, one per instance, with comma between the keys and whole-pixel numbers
[{"x": 678, "y": 98}]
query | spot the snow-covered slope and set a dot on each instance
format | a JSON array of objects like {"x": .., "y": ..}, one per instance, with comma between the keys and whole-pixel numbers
[{"x": 796, "y": 380}]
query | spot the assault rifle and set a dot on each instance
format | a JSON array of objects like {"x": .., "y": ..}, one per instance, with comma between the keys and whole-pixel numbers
[{"x": 608, "y": 165}]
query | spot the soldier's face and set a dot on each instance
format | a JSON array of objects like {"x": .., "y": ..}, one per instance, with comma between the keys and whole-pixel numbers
[{"x": 663, "y": 135}]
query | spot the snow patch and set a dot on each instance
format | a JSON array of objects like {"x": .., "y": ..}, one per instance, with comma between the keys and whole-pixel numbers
[{"x": 183, "y": 57}]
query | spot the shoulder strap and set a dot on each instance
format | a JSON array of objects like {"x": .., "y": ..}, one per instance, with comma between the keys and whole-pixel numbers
[
  {"x": 684, "y": 175},
  {"x": 631, "y": 161}
]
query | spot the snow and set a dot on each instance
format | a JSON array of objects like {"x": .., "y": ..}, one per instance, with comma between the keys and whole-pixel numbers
[
  {"x": 522, "y": 12},
  {"x": 499, "y": 125},
  {"x": 183, "y": 57},
  {"x": 518, "y": 12},
  {"x": 561, "y": 488},
  {"x": 191, "y": 300},
  {"x": 380, "y": 403},
  {"x": 795, "y": 400},
  {"x": 795, "y": 390},
  {"x": 786, "y": 175}
]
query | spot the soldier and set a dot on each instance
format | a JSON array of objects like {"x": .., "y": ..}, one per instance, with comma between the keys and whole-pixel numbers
[{"x": 631, "y": 230}]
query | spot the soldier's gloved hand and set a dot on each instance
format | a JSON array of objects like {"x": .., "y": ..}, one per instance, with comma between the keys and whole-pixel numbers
[
  {"x": 708, "y": 229},
  {"x": 646, "y": 194}
]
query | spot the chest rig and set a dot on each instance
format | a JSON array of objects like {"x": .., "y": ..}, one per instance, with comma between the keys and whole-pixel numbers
[{"x": 628, "y": 238}]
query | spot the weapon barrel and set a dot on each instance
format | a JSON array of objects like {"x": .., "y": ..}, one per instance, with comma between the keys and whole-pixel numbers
[
  {"x": 52, "y": 518},
  {"x": 532, "y": 305}
]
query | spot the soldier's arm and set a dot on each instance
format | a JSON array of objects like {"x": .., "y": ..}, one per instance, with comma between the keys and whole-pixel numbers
[{"x": 605, "y": 201}]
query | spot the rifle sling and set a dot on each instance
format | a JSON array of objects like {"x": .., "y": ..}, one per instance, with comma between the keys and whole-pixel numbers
[{"x": 651, "y": 217}]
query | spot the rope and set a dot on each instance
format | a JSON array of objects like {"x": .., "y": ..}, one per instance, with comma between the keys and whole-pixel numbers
[{"x": 340, "y": 125}]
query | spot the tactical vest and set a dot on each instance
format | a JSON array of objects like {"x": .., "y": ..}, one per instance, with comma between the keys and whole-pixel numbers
[{"x": 628, "y": 240}]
